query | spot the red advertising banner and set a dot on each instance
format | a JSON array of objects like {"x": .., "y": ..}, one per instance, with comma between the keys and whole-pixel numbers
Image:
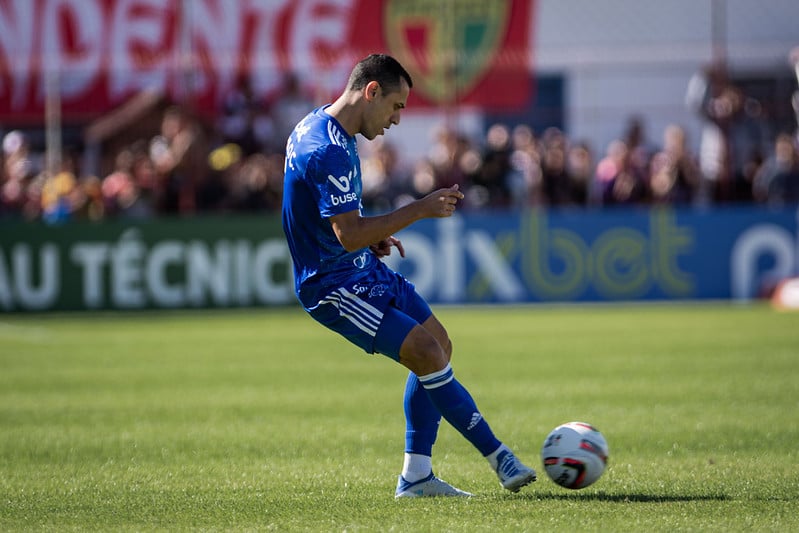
[{"x": 101, "y": 52}]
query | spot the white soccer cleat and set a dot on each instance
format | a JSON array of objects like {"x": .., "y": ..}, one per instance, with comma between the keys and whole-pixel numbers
[
  {"x": 427, "y": 487},
  {"x": 513, "y": 475}
]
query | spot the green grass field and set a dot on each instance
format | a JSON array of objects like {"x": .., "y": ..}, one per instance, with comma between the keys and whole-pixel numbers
[{"x": 262, "y": 420}]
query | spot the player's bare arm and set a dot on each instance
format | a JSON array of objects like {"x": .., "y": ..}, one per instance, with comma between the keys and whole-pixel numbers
[{"x": 355, "y": 231}]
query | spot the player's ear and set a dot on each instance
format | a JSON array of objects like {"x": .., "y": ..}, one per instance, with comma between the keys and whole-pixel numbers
[{"x": 372, "y": 90}]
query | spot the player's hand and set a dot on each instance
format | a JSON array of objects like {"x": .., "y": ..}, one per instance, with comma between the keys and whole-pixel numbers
[
  {"x": 383, "y": 248},
  {"x": 442, "y": 202}
]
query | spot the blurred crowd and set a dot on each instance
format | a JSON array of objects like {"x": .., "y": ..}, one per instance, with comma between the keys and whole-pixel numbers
[{"x": 236, "y": 165}]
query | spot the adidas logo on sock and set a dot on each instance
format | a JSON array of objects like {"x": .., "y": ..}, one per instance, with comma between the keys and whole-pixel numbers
[{"x": 476, "y": 418}]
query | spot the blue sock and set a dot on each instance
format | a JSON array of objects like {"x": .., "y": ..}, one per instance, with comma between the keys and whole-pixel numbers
[
  {"x": 421, "y": 418},
  {"x": 458, "y": 408}
]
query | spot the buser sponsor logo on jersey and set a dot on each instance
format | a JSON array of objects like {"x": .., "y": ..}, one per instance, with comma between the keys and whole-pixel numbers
[
  {"x": 343, "y": 184},
  {"x": 343, "y": 198}
]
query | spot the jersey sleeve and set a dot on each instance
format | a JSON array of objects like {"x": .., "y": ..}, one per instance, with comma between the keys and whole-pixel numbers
[{"x": 335, "y": 181}]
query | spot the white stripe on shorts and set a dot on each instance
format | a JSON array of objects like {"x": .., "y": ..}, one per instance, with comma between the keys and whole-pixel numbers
[{"x": 364, "y": 316}]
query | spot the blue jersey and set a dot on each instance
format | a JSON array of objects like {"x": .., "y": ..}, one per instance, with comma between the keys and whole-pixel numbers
[{"x": 322, "y": 179}]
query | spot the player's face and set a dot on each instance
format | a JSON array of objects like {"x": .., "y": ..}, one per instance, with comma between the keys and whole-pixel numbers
[{"x": 384, "y": 110}]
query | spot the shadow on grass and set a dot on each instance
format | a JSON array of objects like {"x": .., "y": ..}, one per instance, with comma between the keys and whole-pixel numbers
[{"x": 629, "y": 498}]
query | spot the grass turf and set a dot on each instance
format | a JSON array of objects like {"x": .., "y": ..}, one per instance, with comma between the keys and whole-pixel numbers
[{"x": 263, "y": 420}]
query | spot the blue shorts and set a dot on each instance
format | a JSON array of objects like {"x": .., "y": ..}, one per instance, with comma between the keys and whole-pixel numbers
[{"x": 375, "y": 312}]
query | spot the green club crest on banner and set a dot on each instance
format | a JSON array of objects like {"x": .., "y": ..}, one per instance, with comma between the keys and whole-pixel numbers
[{"x": 447, "y": 46}]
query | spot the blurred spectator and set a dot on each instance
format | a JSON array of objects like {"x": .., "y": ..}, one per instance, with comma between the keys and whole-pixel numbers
[
  {"x": 20, "y": 166},
  {"x": 61, "y": 195},
  {"x": 93, "y": 204},
  {"x": 743, "y": 185},
  {"x": 127, "y": 190},
  {"x": 179, "y": 154},
  {"x": 793, "y": 57},
  {"x": 714, "y": 98},
  {"x": 383, "y": 178},
  {"x": 226, "y": 162},
  {"x": 524, "y": 181},
  {"x": 638, "y": 146},
  {"x": 257, "y": 184},
  {"x": 555, "y": 180},
  {"x": 286, "y": 109},
  {"x": 476, "y": 189},
  {"x": 423, "y": 181},
  {"x": 674, "y": 174},
  {"x": 114, "y": 184},
  {"x": 777, "y": 182},
  {"x": 239, "y": 116},
  {"x": 445, "y": 156},
  {"x": 489, "y": 172},
  {"x": 616, "y": 181},
  {"x": 579, "y": 167}
]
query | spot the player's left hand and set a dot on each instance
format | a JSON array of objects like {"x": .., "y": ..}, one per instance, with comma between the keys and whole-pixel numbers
[{"x": 383, "y": 248}]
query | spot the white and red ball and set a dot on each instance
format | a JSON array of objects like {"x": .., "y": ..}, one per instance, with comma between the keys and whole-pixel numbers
[{"x": 574, "y": 455}]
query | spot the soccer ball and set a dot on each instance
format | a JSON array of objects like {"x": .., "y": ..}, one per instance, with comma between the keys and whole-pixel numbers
[{"x": 574, "y": 455}]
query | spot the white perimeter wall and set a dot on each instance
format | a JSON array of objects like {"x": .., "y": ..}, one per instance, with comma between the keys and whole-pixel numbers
[
  {"x": 626, "y": 57},
  {"x": 634, "y": 57}
]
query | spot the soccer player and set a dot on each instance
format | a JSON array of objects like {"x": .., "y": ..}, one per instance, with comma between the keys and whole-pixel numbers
[{"x": 342, "y": 283}]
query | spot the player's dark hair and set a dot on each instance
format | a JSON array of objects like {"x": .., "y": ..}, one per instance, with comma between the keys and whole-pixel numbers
[{"x": 381, "y": 68}]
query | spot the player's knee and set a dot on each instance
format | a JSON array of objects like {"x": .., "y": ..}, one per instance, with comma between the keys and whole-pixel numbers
[
  {"x": 437, "y": 330},
  {"x": 430, "y": 352},
  {"x": 422, "y": 353}
]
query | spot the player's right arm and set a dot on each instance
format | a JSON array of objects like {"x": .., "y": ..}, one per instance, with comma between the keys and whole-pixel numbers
[{"x": 355, "y": 231}]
